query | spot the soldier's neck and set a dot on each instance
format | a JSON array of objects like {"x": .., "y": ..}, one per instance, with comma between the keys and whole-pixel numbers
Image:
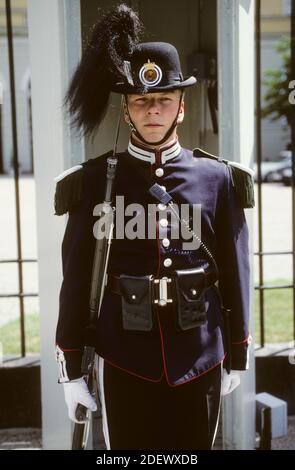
[
  {"x": 165, "y": 144},
  {"x": 159, "y": 155}
]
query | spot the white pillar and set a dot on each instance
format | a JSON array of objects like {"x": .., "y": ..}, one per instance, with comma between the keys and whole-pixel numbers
[
  {"x": 54, "y": 49},
  {"x": 236, "y": 142}
]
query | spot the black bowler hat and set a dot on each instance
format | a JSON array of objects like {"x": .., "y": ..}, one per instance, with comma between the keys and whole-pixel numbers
[
  {"x": 154, "y": 67},
  {"x": 115, "y": 60}
]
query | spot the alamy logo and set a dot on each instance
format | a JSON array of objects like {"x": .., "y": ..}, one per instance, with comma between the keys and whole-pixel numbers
[{"x": 134, "y": 221}]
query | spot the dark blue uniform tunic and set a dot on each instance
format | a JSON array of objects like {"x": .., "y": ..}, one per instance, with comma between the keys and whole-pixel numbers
[{"x": 190, "y": 178}]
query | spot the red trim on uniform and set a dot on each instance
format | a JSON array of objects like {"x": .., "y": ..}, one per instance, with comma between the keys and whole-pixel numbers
[
  {"x": 158, "y": 151},
  {"x": 198, "y": 376},
  {"x": 152, "y": 168},
  {"x": 133, "y": 373},
  {"x": 164, "y": 361},
  {"x": 158, "y": 155},
  {"x": 158, "y": 250},
  {"x": 241, "y": 342},
  {"x": 158, "y": 161}
]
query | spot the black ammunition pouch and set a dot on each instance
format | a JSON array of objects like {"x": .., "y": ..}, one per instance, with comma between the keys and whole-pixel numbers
[
  {"x": 190, "y": 287},
  {"x": 137, "y": 302},
  {"x": 185, "y": 291}
]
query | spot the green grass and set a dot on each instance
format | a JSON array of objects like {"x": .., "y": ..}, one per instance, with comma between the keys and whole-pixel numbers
[
  {"x": 10, "y": 336},
  {"x": 278, "y": 313},
  {"x": 278, "y": 322}
]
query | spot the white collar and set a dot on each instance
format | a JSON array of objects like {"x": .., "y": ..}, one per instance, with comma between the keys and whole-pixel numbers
[{"x": 160, "y": 155}]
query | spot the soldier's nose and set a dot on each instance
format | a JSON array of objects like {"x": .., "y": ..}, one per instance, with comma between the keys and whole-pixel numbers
[{"x": 153, "y": 107}]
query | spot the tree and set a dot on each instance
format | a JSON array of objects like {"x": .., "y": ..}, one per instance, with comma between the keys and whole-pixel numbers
[{"x": 277, "y": 85}]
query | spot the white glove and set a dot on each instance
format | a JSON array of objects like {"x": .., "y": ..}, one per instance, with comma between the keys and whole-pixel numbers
[
  {"x": 229, "y": 381},
  {"x": 76, "y": 391}
]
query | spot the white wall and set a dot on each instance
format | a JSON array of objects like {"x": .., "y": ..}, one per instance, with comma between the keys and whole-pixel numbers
[
  {"x": 50, "y": 39},
  {"x": 236, "y": 142}
]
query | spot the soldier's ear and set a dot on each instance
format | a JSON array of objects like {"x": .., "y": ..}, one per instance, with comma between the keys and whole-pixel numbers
[
  {"x": 181, "y": 113},
  {"x": 125, "y": 112}
]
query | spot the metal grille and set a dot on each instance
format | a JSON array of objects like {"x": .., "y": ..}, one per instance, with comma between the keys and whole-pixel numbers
[
  {"x": 262, "y": 286},
  {"x": 20, "y": 294}
]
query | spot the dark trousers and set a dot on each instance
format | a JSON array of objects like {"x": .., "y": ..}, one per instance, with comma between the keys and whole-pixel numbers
[{"x": 140, "y": 414}]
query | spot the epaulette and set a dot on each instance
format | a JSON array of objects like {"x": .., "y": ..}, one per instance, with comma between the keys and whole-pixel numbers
[
  {"x": 241, "y": 178},
  {"x": 69, "y": 186}
]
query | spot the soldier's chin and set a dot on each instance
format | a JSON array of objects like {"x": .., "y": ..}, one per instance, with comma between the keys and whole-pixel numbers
[{"x": 153, "y": 136}]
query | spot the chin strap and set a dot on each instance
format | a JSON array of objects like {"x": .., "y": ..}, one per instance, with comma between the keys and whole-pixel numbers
[{"x": 166, "y": 136}]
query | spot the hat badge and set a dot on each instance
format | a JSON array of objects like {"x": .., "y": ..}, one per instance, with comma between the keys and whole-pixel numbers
[{"x": 150, "y": 74}]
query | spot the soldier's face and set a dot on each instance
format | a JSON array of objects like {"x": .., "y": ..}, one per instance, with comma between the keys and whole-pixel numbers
[{"x": 154, "y": 113}]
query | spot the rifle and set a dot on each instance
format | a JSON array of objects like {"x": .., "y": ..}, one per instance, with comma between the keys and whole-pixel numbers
[{"x": 98, "y": 282}]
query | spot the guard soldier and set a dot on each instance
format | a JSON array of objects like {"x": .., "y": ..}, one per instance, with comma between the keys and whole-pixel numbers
[{"x": 160, "y": 335}]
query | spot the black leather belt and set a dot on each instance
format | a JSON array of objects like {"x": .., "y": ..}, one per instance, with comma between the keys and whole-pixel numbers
[
  {"x": 163, "y": 289},
  {"x": 185, "y": 289}
]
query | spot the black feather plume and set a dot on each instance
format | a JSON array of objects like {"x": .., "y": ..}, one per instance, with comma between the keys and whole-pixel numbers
[{"x": 112, "y": 41}]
